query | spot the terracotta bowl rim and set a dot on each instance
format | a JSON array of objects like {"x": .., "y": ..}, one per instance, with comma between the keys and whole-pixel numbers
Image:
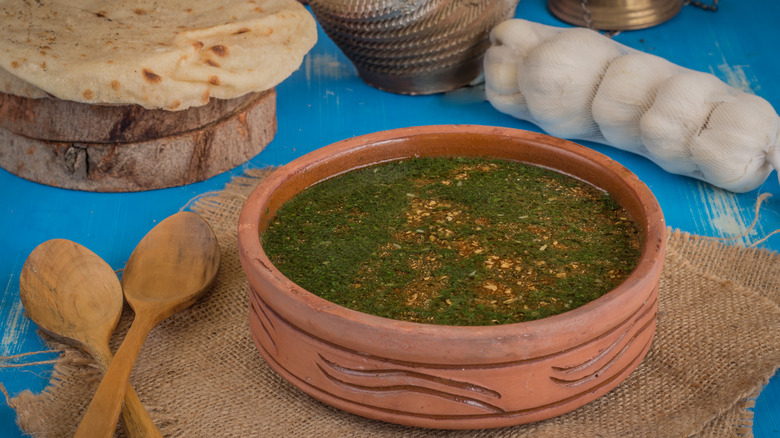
[{"x": 256, "y": 262}]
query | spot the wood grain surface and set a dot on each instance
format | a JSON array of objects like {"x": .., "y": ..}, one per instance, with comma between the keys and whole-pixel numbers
[
  {"x": 75, "y": 296},
  {"x": 170, "y": 269},
  {"x": 174, "y": 160},
  {"x": 66, "y": 121}
]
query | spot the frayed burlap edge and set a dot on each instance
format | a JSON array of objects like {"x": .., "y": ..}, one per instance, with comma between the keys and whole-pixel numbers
[{"x": 223, "y": 388}]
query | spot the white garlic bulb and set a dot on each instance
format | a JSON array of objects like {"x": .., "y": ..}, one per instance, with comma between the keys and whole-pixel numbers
[
  {"x": 626, "y": 92},
  {"x": 680, "y": 109},
  {"x": 559, "y": 100},
  {"x": 510, "y": 46},
  {"x": 733, "y": 146},
  {"x": 576, "y": 83},
  {"x": 521, "y": 35},
  {"x": 504, "y": 91},
  {"x": 503, "y": 70}
]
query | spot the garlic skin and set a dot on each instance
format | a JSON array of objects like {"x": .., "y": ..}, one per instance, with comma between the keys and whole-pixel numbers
[
  {"x": 501, "y": 84},
  {"x": 681, "y": 107},
  {"x": 578, "y": 84},
  {"x": 744, "y": 131},
  {"x": 560, "y": 78},
  {"x": 511, "y": 41},
  {"x": 626, "y": 92},
  {"x": 504, "y": 64},
  {"x": 521, "y": 35}
]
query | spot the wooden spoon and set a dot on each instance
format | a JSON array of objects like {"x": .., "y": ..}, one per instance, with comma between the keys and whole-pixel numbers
[
  {"x": 167, "y": 272},
  {"x": 72, "y": 294}
]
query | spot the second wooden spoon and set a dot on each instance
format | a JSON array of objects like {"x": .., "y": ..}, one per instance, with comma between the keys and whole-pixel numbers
[{"x": 168, "y": 271}]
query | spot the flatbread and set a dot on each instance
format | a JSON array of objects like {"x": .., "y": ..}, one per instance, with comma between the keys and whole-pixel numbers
[
  {"x": 170, "y": 54},
  {"x": 11, "y": 84}
]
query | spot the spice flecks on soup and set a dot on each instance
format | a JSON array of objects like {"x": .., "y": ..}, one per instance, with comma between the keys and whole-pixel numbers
[{"x": 454, "y": 241}]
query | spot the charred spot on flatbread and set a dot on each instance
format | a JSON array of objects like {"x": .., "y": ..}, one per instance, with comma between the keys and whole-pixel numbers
[
  {"x": 151, "y": 77},
  {"x": 220, "y": 50}
]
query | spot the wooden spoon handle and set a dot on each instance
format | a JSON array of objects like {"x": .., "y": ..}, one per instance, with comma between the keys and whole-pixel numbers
[
  {"x": 103, "y": 412},
  {"x": 136, "y": 419}
]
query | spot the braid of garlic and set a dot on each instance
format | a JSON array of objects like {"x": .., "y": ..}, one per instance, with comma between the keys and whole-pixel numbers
[{"x": 576, "y": 83}]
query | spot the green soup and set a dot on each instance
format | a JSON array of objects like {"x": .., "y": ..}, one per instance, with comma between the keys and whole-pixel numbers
[{"x": 454, "y": 241}]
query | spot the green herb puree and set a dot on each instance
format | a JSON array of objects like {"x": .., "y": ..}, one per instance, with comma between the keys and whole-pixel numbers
[{"x": 454, "y": 241}]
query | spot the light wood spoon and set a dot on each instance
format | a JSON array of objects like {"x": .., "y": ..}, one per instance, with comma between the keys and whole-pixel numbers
[
  {"x": 72, "y": 294},
  {"x": 168, "y": 271}
]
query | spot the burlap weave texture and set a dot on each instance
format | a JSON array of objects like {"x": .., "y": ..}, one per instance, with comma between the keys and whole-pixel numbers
[{"x": 200, "y": 375}]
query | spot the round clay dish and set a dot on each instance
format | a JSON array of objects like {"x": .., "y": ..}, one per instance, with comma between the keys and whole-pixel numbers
[{"x": 444, "y": 376}]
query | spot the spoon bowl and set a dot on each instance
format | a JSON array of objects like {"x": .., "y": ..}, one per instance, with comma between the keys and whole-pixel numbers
[
  {"x": 159, "y": 274},
  {"x": 172, "y": 266},
  {"x": 72, "y": 294}
]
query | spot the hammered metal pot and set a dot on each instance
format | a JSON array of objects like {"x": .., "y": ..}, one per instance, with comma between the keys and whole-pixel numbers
[
  {"x": 451, "y": 377},
  {"x": 413, "y": 46}
]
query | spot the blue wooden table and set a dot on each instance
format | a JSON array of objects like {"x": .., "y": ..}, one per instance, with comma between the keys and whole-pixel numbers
[{"x": 325, "y": 101}]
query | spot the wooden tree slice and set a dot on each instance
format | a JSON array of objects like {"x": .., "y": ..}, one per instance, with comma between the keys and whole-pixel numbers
[
  {"x": 157, "y": 163},
  {"x": 66, "y": 121}
]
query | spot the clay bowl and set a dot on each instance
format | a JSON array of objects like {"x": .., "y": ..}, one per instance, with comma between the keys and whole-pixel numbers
[
  {"x": 444, "y": 376},
  {"x": 417, "y": 47}
]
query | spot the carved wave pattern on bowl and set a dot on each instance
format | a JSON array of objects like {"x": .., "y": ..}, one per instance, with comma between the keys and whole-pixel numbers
[{"x": 342, "y": 377}]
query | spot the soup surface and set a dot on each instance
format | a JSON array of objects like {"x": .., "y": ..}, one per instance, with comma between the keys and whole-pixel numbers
[{"x": 454, "y": 241}]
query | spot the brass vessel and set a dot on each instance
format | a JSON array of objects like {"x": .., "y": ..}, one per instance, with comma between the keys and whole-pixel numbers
[{"x": 615, "y": 14}]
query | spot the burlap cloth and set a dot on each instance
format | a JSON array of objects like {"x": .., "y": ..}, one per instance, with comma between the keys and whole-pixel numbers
[{"x": 199, "y": 373}]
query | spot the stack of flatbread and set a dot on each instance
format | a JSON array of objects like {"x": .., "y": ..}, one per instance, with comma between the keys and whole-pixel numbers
[{"x": 153, "y": 59}]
